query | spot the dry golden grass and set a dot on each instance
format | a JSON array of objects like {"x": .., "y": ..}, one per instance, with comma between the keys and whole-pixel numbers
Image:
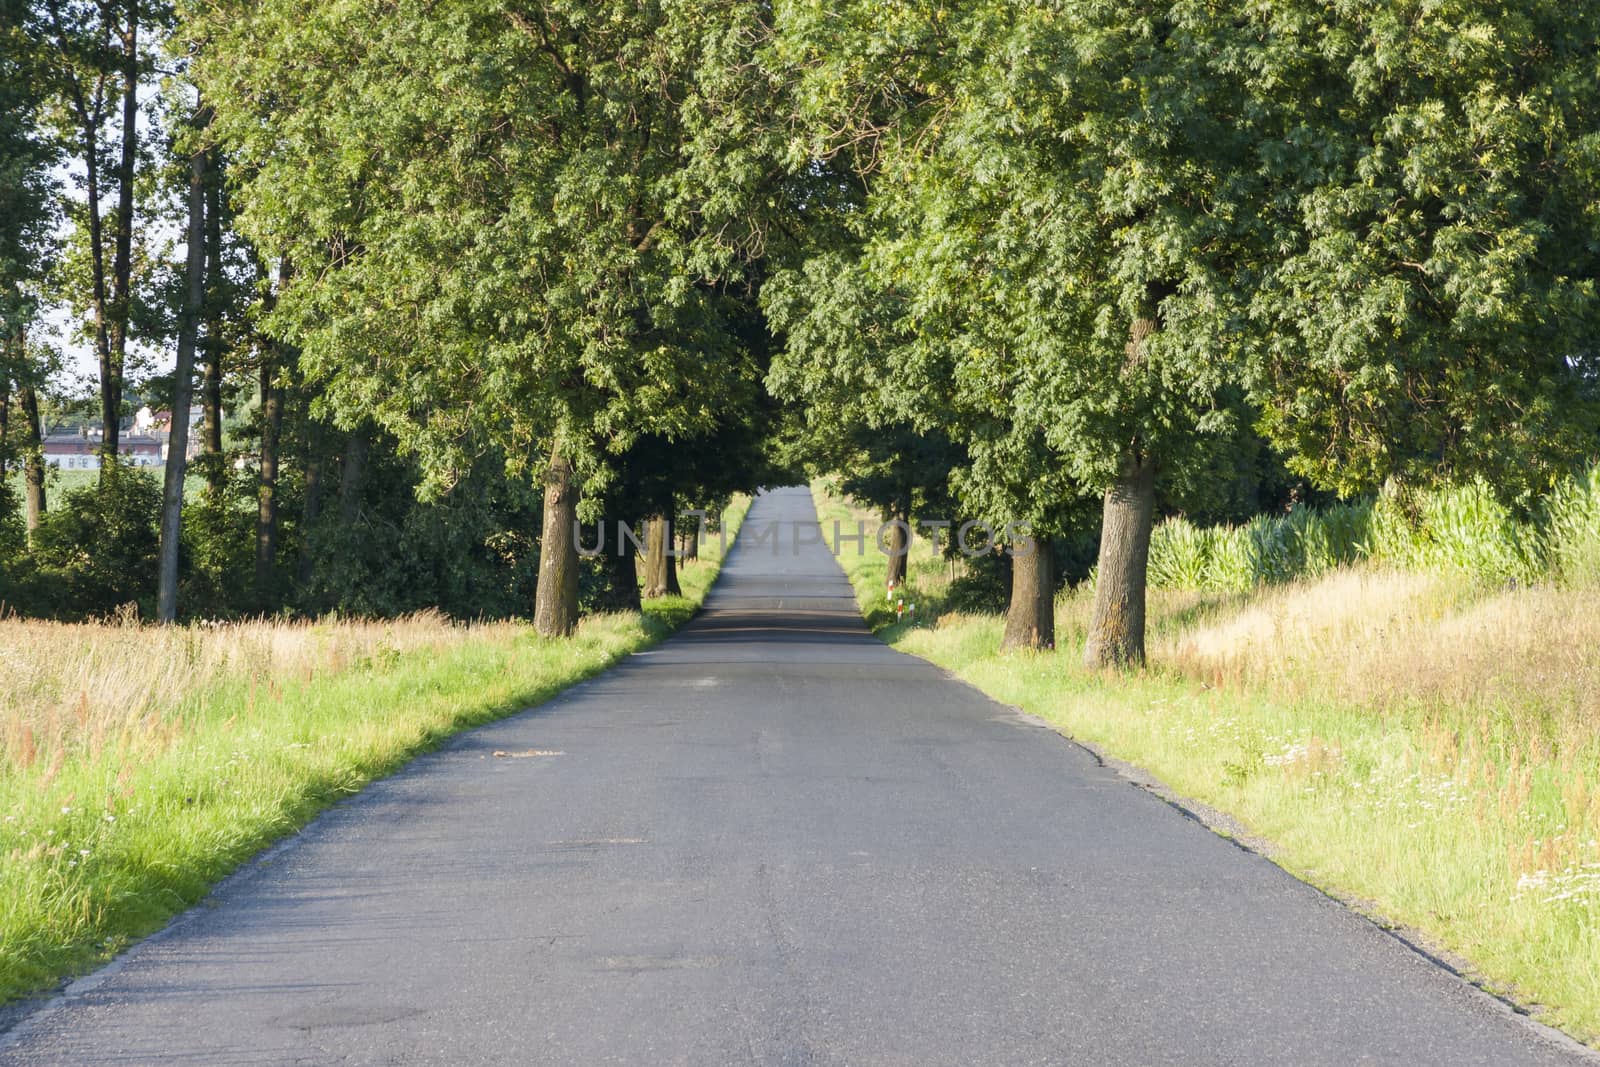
[
  {"x": 70, "y": 690},
  {"x": 1382, "y": 638},
  {"x": 1502, "y": 688}
]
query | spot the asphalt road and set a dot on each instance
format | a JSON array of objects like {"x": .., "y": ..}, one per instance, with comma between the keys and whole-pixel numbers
[{"x": 770, "y": 840}]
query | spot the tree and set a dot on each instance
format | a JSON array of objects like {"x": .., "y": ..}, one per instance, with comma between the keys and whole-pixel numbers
[
  {"x": 1432, "y": 311},
  {"x": 865, "y": 335},
  {"x": 535, "y": 262},
  {"x": 1072, "y": 222},
  {"x": 183, "y": 378},
  {"x": 94, "y": 72},
  {"x": 28, "y": 213}
]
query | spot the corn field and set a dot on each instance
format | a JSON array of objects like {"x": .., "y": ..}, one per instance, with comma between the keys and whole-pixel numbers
[{"x": 1464, "y": 530}]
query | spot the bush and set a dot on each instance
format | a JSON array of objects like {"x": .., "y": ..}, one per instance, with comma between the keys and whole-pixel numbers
[{"x": 97, "y": 549}]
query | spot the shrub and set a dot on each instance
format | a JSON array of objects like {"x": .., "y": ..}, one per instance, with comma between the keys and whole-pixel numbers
[{"x": 97, "y": 548}]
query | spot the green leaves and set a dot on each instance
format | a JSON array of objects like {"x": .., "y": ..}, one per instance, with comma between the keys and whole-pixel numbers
[
  {"x": 1432, "y": 312},
  {"x": 515, "y": 226}
]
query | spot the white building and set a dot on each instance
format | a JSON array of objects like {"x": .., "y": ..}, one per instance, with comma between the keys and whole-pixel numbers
[{"x": 75, "y": 452}]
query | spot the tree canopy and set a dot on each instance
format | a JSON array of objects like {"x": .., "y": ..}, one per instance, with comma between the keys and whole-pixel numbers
[{"x": 1061, "y": 266}]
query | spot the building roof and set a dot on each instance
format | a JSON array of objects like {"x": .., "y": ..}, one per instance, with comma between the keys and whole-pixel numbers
[{"x": 71, "y": 444}]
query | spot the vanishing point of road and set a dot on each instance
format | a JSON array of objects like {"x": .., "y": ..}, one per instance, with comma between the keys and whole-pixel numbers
[{"x": 770, "y": 840}]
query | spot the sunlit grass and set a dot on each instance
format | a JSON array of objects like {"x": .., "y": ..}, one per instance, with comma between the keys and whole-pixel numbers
[
  {"x": 138, "y": 764},
  {"x": 1418, "y": 741}
]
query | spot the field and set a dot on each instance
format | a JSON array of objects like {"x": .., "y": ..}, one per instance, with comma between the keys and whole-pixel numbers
[
  {"x": 57, "y": 483},
  {"x": 1421, "y": 742},
  {"x": 138, "y": 764}
]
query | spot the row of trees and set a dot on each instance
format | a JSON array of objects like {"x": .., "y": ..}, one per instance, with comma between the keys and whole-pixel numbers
[
  {"x": 1067, "y": 263},
  {"x": 292, "y": 297},
  {"x": 1103, "y": 245}
]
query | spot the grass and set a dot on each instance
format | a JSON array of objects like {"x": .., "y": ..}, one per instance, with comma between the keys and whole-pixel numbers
[
  {"x": 138, "y": 764},
  {"x": 1419, "y": 742}
]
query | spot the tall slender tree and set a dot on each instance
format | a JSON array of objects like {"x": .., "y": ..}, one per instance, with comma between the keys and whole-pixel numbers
[
  {"x": 28, "y": 215},
  {"x": 177, "y": 463},
  {"x": 95, "y": 70}
]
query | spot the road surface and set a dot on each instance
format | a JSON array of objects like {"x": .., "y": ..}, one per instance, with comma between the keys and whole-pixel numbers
[{"x": 770, "y": 840}]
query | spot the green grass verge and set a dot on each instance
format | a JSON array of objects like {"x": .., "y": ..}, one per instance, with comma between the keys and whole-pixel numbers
[
  {"x": 101, "y": 848},
  {"x": 1420, "y": 811}
]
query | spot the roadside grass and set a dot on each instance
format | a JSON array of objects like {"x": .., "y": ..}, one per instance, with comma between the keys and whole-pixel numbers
[
  {"x": 1421, "y": 744},
  {"x": 138, "y": 764}
]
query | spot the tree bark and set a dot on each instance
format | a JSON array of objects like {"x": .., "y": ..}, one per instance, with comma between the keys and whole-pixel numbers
[
  {"x": 32, "y": 459},
  {"x": 622, "y": 572},
  {"x": 267, "y": 494},
  {"x": 122, "y": 264},
  {"x": 660, "y": 568},
  {"x": 352, "y": 470},
  {"x": 555, "y": 612},
  {"x": 899, "y": 548},
  {"x": 211, "y": 389},
  {"x": 97, "y": 252},
  {"x": 5, "y": 424},
  {"x": 1116, "y": 629},
  {"x": 311, "y": 508},
  {"x": 689, "y": 545},
  {"x": 1031, "y": 615},
  {"x": 183, "y": 376}
]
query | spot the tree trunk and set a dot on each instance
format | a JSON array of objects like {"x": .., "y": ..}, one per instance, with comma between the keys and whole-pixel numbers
[
  {"x": 183, "y": 376},
  {"x": 555, "y": 612},
  {"x": 32, "y": 459},
  {"x": 267, "y": 494},
  {"x": 689, "y": 545},
  {"x": 622, "y": 572},
  {"x": 122, "y": 265},
  {"x": 311, "y": 509},
  {"x": 97, "y": 259},
  {"x": 352, "y": 470},
  {"x": 211, "y": 389},
  {"x": 899, "y": 548},
  {"x": 5, "y": 425},
  {"x": 1031, "y": 616},
  {"x": 1116, "y": 629},
  {"x": 660, "y": 568}
]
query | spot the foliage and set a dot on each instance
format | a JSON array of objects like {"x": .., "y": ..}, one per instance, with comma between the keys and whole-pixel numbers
[
  {"x": 1431, "y": 304},
  {"x": 96, "y": 549},
  {"x": 510, "y": 229},
  {"x": 1572, "y": 525}
]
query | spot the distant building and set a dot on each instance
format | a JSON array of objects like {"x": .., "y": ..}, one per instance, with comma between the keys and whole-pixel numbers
[
  {"x": 158, "y": 424},
  {"x": 76, "y": 452}
]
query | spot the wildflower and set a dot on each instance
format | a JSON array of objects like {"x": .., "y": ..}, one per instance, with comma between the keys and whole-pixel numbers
[{"x": 66, "y": 811}]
